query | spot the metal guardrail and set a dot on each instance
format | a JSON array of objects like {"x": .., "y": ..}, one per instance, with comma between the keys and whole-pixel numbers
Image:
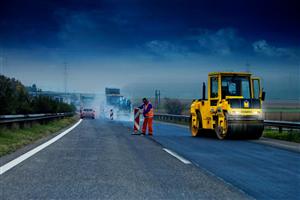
[
  {"x": 186, "y": 118},
  {"x": 282, "y": 124},
  {"x": 170, "y": 117},
  {"x": 8, "y": 119}
]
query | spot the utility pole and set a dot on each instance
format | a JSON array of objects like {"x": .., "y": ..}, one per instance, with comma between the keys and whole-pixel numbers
[
  {"x": 65, "y": 77},
  {"x": 2, "y": 61},
  {"x": 298, "y": 81},
  {"x": 158, "y": 97},
  {"x": 247, "y": 67},
  {"x": 1, "y": 64}
]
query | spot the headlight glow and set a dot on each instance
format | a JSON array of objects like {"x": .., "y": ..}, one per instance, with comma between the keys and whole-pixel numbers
[{"x": 235, "y": 112}]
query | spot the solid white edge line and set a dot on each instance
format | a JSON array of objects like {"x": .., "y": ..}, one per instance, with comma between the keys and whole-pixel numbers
[
  {"x": 185, "y": 161},
  {"x": 30, "y": 153}
]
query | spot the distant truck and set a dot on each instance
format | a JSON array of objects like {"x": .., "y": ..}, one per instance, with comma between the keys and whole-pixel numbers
[{"x": 116, "y": 100}]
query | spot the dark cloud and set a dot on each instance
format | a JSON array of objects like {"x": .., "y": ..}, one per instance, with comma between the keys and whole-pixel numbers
[
  {"x": 53, "y": 23},
  {"x": 185, "y": 38},
  {"x": 36, "y": 23}
]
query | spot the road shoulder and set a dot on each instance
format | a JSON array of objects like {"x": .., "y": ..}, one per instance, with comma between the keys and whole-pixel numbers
[
  {"x": 286, "y": 145},
  {"x": 9, "y": 157}
]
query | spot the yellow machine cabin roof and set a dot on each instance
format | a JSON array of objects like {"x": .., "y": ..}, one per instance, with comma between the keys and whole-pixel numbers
[{"x": 230, "y": 73}]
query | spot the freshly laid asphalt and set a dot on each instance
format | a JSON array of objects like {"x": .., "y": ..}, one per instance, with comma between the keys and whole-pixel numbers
[
  {"x": 102, "y": 160},
  {"x": 261, "y": 171}
]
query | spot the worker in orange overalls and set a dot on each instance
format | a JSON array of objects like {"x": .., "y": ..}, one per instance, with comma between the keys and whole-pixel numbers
[{"x": 148, "y": 116}]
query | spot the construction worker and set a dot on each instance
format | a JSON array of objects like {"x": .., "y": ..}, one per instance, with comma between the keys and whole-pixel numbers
[{"x": 148, "y": 116}]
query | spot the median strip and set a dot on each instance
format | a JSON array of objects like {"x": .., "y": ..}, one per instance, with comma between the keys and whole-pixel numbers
[
  {"x": 23, "y": 157},
  {"x": 185, "y": 161}
]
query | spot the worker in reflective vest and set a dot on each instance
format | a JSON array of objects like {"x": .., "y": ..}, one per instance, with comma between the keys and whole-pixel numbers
[{"x": 148, "y": 116}]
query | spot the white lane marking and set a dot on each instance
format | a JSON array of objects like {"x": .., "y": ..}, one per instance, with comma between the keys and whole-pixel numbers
[
  {"x": 185, "y": 161},
  {"x": 30, "y": 153}
]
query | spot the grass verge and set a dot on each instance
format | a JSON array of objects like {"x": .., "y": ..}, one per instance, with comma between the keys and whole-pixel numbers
[
  {"x": 13, "y": 139},
  {"x": 287, "y": 135}
]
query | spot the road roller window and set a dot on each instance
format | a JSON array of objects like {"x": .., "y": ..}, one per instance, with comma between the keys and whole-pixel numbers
[
  {"x": 213, "y": 87},
  {"x": 256, "y": 89},
  {"x": 235, "y": 86},
  {"x": 245, "y": 88}
]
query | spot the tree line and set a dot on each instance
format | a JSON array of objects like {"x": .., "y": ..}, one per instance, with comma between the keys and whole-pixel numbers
[
  {"x": 174, "y": 106},
  {"x": 15, "y": 99}
]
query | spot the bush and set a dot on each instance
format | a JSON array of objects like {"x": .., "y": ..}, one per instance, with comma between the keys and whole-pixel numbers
[{"x": 173, "y": 106}]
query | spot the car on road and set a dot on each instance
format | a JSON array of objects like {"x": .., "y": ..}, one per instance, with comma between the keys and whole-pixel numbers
[{"x": 87, "y": 113}]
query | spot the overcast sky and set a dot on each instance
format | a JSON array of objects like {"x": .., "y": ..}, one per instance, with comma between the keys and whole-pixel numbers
[{"x": 141, "y": 46}]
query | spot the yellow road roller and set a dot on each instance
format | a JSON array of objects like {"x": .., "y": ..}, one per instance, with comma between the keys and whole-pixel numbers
[{"x": 233, "y": 108}]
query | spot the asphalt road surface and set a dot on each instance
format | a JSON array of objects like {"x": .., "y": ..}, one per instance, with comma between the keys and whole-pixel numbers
[
  {"x": 102, "y": 160},
  {"x": 261, "y": 171}
]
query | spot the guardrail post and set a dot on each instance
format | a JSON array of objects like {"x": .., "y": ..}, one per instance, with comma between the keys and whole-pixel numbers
[
  {"x": 15, "y": 125},
  {"x": 280, "y": 117}
]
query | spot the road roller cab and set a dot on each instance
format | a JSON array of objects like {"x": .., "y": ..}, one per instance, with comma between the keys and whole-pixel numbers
[{"x": 233, "y": 107}]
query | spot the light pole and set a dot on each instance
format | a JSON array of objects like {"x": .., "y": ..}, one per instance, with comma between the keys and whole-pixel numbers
[{"x": 65, "y": 77}]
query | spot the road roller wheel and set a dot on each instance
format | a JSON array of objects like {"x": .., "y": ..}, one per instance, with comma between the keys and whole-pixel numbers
[
  {"x": 220, "y": 132},
  {"x": 196, "y": 131}
]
